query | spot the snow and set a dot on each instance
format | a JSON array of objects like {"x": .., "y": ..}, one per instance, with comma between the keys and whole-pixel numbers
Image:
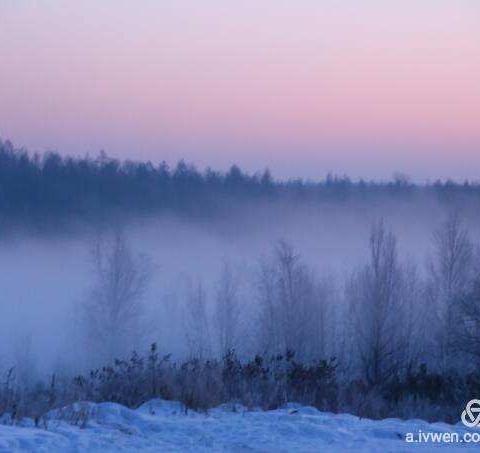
[{"x": 164, "y": 426}]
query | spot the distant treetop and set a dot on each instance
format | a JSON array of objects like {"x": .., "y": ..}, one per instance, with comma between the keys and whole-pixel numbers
[{"x": 52, "y": 187}]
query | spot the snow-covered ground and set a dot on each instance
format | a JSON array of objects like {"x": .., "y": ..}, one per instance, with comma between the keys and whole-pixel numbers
[{"x": 162, "y": 426}]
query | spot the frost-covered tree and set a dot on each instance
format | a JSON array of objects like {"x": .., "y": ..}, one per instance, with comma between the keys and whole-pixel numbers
[
  {"x": 197, "y": 325},
  {"x": 451, "y": 269},
  {"x": 377, "y": 310},
  {"x": 227, "y": 310},
  {"x": 320, "y": 314},
  {"x": 287, "y": 302},
  {"x": 113, "y": 308},
  {"x": 467, "y": 334}
]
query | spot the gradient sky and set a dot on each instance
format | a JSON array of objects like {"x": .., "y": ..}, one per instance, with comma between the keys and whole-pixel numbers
[{"x": 304, "y": 87}]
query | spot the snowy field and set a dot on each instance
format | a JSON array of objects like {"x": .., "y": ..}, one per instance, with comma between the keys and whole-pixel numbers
[{"x": 163, "y": 426}]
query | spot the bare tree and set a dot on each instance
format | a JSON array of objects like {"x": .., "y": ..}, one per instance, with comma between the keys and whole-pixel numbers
[
  {"x": 269, "y": 316},
  {"x": 320, "y": 320},
  {"x": 450, "y": 273},
  {"x": 113, "y": 309},
  {"x": 467, "y": 334},
  {"x": 227, "y": 310},
  {"x": 375, "y": 298},
  {"x": 414, "y": 330},
  {"x": 454, "y": 253},
  {"x": 197, "y": 326},
  {"x": 286, "y": 296}
]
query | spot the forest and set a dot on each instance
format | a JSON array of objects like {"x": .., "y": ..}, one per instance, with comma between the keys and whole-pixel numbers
[
  {"x": 209, "y": 288},
  {"x": 43, "y": 189}
]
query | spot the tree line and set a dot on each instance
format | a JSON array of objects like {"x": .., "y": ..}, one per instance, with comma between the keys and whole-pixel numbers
[{"x": 43, "y": 189}]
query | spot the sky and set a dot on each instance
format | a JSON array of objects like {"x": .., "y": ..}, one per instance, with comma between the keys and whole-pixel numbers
[{"x": 305, "y": 87}]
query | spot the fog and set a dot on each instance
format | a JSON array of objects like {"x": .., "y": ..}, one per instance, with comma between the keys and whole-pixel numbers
[{"x": 46, "y": 278}]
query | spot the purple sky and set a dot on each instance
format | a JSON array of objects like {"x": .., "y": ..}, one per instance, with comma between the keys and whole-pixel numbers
[{"x": 302, "y": 86}]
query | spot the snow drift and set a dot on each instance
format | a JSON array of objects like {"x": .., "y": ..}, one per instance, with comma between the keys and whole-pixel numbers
[{"x": 160, "y": 425}]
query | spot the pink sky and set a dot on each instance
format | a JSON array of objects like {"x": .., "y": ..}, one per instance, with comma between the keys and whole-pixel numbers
[{"x": 305, "y": 87}]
